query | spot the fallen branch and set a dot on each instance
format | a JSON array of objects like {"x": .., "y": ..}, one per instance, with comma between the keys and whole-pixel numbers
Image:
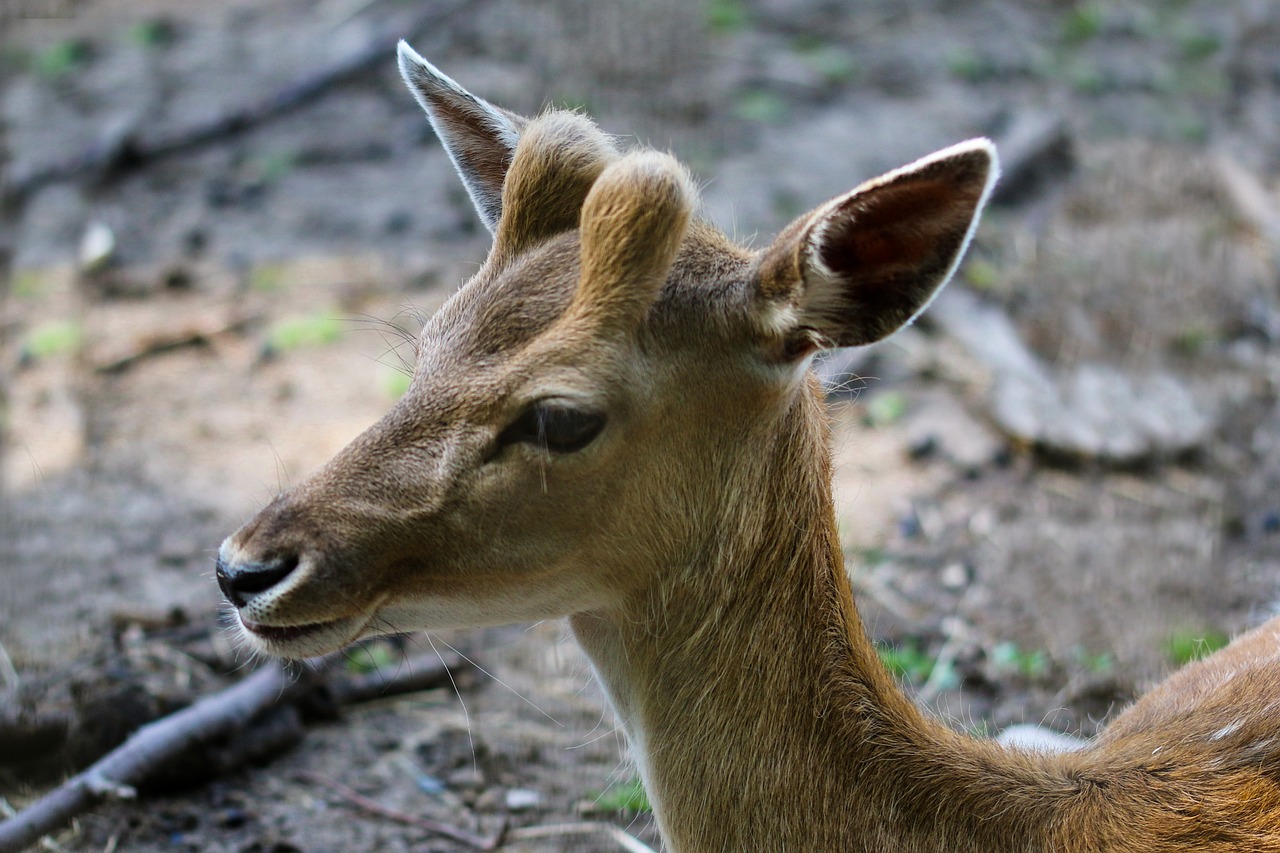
[
  {"x": 258, "y": 715},
  {"x": 117, "y": 774},
  {"x": 127, "y": 150}
]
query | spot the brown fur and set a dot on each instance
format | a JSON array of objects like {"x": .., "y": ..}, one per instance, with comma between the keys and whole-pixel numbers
[{"x": 693, "y": 545}]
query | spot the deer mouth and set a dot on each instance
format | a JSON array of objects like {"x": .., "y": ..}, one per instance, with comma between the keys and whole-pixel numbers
[{"x": 309, "y": 639}]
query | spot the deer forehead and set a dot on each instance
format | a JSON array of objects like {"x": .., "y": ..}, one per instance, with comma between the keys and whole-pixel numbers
[{"x": 503, "y": 328}]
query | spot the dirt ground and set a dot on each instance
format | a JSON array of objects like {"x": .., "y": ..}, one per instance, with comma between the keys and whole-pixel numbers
[{"x": 183, "y": 336}]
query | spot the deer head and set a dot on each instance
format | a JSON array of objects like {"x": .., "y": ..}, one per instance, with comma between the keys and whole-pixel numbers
[{"x": 583, "y": 410}]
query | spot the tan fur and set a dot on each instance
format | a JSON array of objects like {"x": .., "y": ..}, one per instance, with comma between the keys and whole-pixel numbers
[{"x": 692, "y": 544}]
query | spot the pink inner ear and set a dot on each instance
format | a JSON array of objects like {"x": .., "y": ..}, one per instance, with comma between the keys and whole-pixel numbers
[{"x": 909, "y": 226}]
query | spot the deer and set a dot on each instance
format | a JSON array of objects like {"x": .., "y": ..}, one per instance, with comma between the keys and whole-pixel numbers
[{"x": 614, "y": 421}]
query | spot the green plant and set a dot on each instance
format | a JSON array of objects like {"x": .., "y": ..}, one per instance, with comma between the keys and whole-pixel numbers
[
  {"x": 835, "y": 64},
  {"x": 395, "y": 381},
  {"x": 61, "y": 58},
  {"x": 1184, "y": 647},
  {"x": 1097, "y": 663},
  {"x": 886, "y": 407},
  {"x": 306, "y": 330},
  {"x": 370, "y": 658},
  {"x": 271, "y": 166},
  {"x": 266, "y": 278},
  {"x": 1029, "y": 663},
  {"x": 967, "y": 64},
  {"x": 982, "y": 275},
  {"x": 758, "y": 105},
  {"x": 907, "y": 660},
  {"x": 628, "y": 796},
  {"x": 1196, "y": 45},
  {"x": 726, "y": 16},
  {"x": 1082, "y": 23},
  {"x": 59, "y": 337},
  {"x": 151, "y": 34}
]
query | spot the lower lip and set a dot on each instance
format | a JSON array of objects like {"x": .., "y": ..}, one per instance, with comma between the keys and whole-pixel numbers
[{"x": 277, "y": 634}]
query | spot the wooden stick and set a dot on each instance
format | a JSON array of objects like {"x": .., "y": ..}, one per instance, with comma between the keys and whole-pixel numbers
[
  {"x": 158, "y": 744},
  {"x": 150, "y": 747}
]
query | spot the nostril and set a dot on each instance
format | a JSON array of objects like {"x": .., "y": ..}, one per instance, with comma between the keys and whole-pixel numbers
[{"x": 240, "y": 581}]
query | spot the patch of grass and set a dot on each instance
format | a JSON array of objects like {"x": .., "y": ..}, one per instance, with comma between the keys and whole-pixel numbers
[
  {"x": 1187, "y": 646},
  {"x": 1087, "y": 79},
  {"x": 266, "y": 278},
  {"x": 967, "y": 64},
  {"x": 395, "y": 382},
  {"x": 907, "y": 660},
  {"x": 886, "y": 408},
  {"x": 982, "y": 275},
  {"x": 271, "y": 166},
  {"x": 307, "y": 330},
  {"x": 1196, "y": 45},
  {"x": 1097, "y": 663},
  {"x": 152, "y": 34},
  {"x": 29, "y": 284},
  {"x": 62, "y": 58},
  {"x": 370, "y": 658},
  {"x": 1082, "y": 23},
  {"x": 835, "y": 64},
  {"x": 1029, "y": 663},
  {"x": 628, "y": 797},
  {"x": 758, "y": 105},
  {"x": 48, "y": 340},
  {"x": 1192, "y": 340},
  {"x": 726, "y": 16}
]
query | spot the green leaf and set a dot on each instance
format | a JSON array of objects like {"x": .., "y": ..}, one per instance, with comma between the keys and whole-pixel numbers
[
  {"x": 886, "y": 407},
  {"x": 626, "y": 796},
  {"x": 60, "y": 337},
  {"x": 308, "y": 330},
  {"x": 395, "y": 381},
  {"x": 757, "y": 105},
  {"x": 1187, "y": 646},
  {"x": 61, "y": 58}
]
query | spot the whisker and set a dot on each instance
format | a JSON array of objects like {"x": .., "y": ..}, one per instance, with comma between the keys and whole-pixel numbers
[{"x": 515, "y": 692}]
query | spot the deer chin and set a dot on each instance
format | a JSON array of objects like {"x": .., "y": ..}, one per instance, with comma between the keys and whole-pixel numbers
[{"x": 305, "y": 639}]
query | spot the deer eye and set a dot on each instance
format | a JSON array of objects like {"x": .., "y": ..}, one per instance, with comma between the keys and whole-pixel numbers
[{"x": 555, "y": 427}]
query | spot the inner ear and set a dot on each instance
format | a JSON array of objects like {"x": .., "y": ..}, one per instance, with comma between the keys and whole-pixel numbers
[
  {"x": 867, "y": 263},
  {"x": 479, "y": 137}
]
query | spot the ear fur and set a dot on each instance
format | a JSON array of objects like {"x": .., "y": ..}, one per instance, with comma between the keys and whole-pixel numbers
[
  {"x": 866, "y": 263},
  {"x": 479, "y": 137},
  {"x": 632, "y": 224},
  {"x": 558, "y": 159}
]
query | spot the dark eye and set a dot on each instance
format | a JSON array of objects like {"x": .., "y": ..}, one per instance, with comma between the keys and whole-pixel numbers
[{"x": 557, "y": 428}]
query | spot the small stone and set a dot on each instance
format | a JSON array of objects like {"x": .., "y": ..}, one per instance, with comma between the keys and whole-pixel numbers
[
  {"x": 97, "y": 246},
  {"x": 955, "y": 576},
  {"x": 523, "y": 799}
]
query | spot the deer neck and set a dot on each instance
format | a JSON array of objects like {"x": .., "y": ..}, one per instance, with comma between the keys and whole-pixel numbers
[{"x": 758, "y": 711}]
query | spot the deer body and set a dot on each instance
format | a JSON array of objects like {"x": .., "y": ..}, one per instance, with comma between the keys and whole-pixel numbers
[{"x": 613, "y": 421}]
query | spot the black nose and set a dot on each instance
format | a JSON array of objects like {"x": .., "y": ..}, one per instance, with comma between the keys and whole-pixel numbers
[{"x": 241, "y": 580}]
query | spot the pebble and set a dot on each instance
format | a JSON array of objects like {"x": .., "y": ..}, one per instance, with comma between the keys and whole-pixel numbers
[{"x": 523, "y": 799}]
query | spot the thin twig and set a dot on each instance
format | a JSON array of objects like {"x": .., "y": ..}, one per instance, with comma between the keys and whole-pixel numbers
[{"x": 355, "y": 798}]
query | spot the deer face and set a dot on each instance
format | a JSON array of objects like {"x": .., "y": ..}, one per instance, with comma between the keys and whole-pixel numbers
[{"x": 576, "y": 406}]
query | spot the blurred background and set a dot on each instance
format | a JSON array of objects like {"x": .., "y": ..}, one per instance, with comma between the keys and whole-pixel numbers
[{"x": 221, "y": 221}]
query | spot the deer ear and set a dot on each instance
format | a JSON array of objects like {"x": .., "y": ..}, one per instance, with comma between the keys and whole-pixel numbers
[
  {"x": 866, "y": 263},
  {"x": 479, "y": 137}
]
